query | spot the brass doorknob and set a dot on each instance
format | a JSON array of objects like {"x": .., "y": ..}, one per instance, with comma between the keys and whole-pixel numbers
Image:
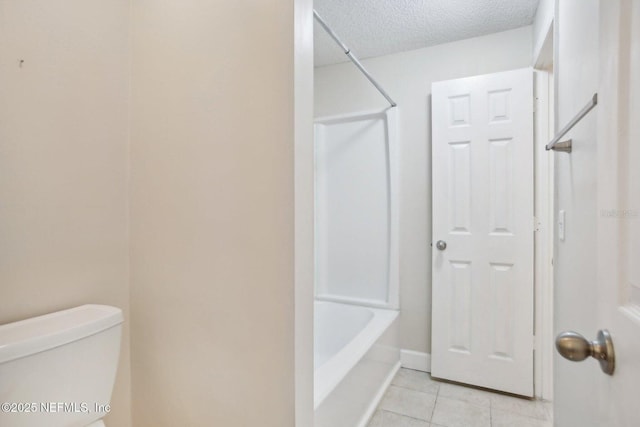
[{"x": 573, "y": 346}]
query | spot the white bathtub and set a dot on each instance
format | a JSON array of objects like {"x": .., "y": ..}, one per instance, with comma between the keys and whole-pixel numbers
[{"x": 356, "y": 355}]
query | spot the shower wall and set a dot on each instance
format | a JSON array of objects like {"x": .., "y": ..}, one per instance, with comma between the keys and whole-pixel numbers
[
  {"x": 356, "y": 209},
  {"x": 407, "y": 76}
]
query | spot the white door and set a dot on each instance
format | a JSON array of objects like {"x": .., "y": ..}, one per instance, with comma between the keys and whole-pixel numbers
[
  {"x": 482, "y": 332},
  {"x": 610, "y": 154},
  {"x": 619, "y": 189}
]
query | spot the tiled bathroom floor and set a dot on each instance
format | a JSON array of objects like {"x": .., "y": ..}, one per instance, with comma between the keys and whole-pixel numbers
[{"x": 416, "y": 400}]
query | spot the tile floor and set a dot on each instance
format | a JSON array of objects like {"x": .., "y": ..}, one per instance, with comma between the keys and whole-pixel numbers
[{"x": 416, "y": 400}]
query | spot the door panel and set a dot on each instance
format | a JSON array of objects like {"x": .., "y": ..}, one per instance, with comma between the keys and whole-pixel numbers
[
  {"x": 619, "y": 208},
  {"x": 483, "y": 208}
]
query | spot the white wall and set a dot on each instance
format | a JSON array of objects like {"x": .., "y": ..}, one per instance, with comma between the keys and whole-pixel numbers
[
  {"x": 541, "y": 24},
  {"x": 575, "y": 258},
  {"x": 63, "y": 163},
  {"x": 212, "y": 213},
  {"x": 407, "y": 76}
]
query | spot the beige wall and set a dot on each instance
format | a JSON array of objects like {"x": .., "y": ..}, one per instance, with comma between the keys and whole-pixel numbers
[
  {"x": 212, "y": 232},
  {"x": 407, "y": 76},
  {"x": 63, "y": 162}
]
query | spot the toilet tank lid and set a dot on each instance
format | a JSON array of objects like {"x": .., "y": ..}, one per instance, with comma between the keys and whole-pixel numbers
[{"x": 37, "y": 334}]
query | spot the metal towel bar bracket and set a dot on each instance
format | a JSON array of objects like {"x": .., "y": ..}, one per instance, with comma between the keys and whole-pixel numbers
[{"x": 565, "y": 146}]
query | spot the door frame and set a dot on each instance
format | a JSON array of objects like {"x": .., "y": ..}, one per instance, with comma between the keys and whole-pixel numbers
[
  {"x": 302, "y": 122},
  {"x": 544, "y": 98}
]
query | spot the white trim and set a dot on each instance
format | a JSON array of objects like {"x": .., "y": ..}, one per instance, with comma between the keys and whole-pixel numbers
[
  {"x": 360, "y": 302},
  {"x": 415, "y": 360},
  {"x": 371, "y": 409},
  {"x": 543, "y": 274},
  {"x": 303, "y": 211}
]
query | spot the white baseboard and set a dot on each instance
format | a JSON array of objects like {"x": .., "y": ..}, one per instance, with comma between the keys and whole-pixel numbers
[{"x": 415, "y": 360}]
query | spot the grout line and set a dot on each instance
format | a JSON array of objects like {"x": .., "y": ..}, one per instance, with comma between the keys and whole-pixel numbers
[
  {"x": 521, "y": 415},
  {"x": 546, "y": 413},
  {"x": 435, "y": 402},
  {"x": 490, "y": 412},
  {"x": 409, "y": 388},
  {"x": 413, "y": 389},
  {"x": 404, "y": 415}
]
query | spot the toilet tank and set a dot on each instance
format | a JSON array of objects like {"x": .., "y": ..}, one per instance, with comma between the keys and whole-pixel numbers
[{"x": 58, "y": 370}]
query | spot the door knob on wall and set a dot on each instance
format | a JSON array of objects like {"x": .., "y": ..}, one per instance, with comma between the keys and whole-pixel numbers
[
  {"x": 573, "y": 346},
  {"x": 441, "y": 245}
]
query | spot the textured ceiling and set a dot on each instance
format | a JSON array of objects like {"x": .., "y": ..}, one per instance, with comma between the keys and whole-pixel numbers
[{"x": 380, "y": 27}]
